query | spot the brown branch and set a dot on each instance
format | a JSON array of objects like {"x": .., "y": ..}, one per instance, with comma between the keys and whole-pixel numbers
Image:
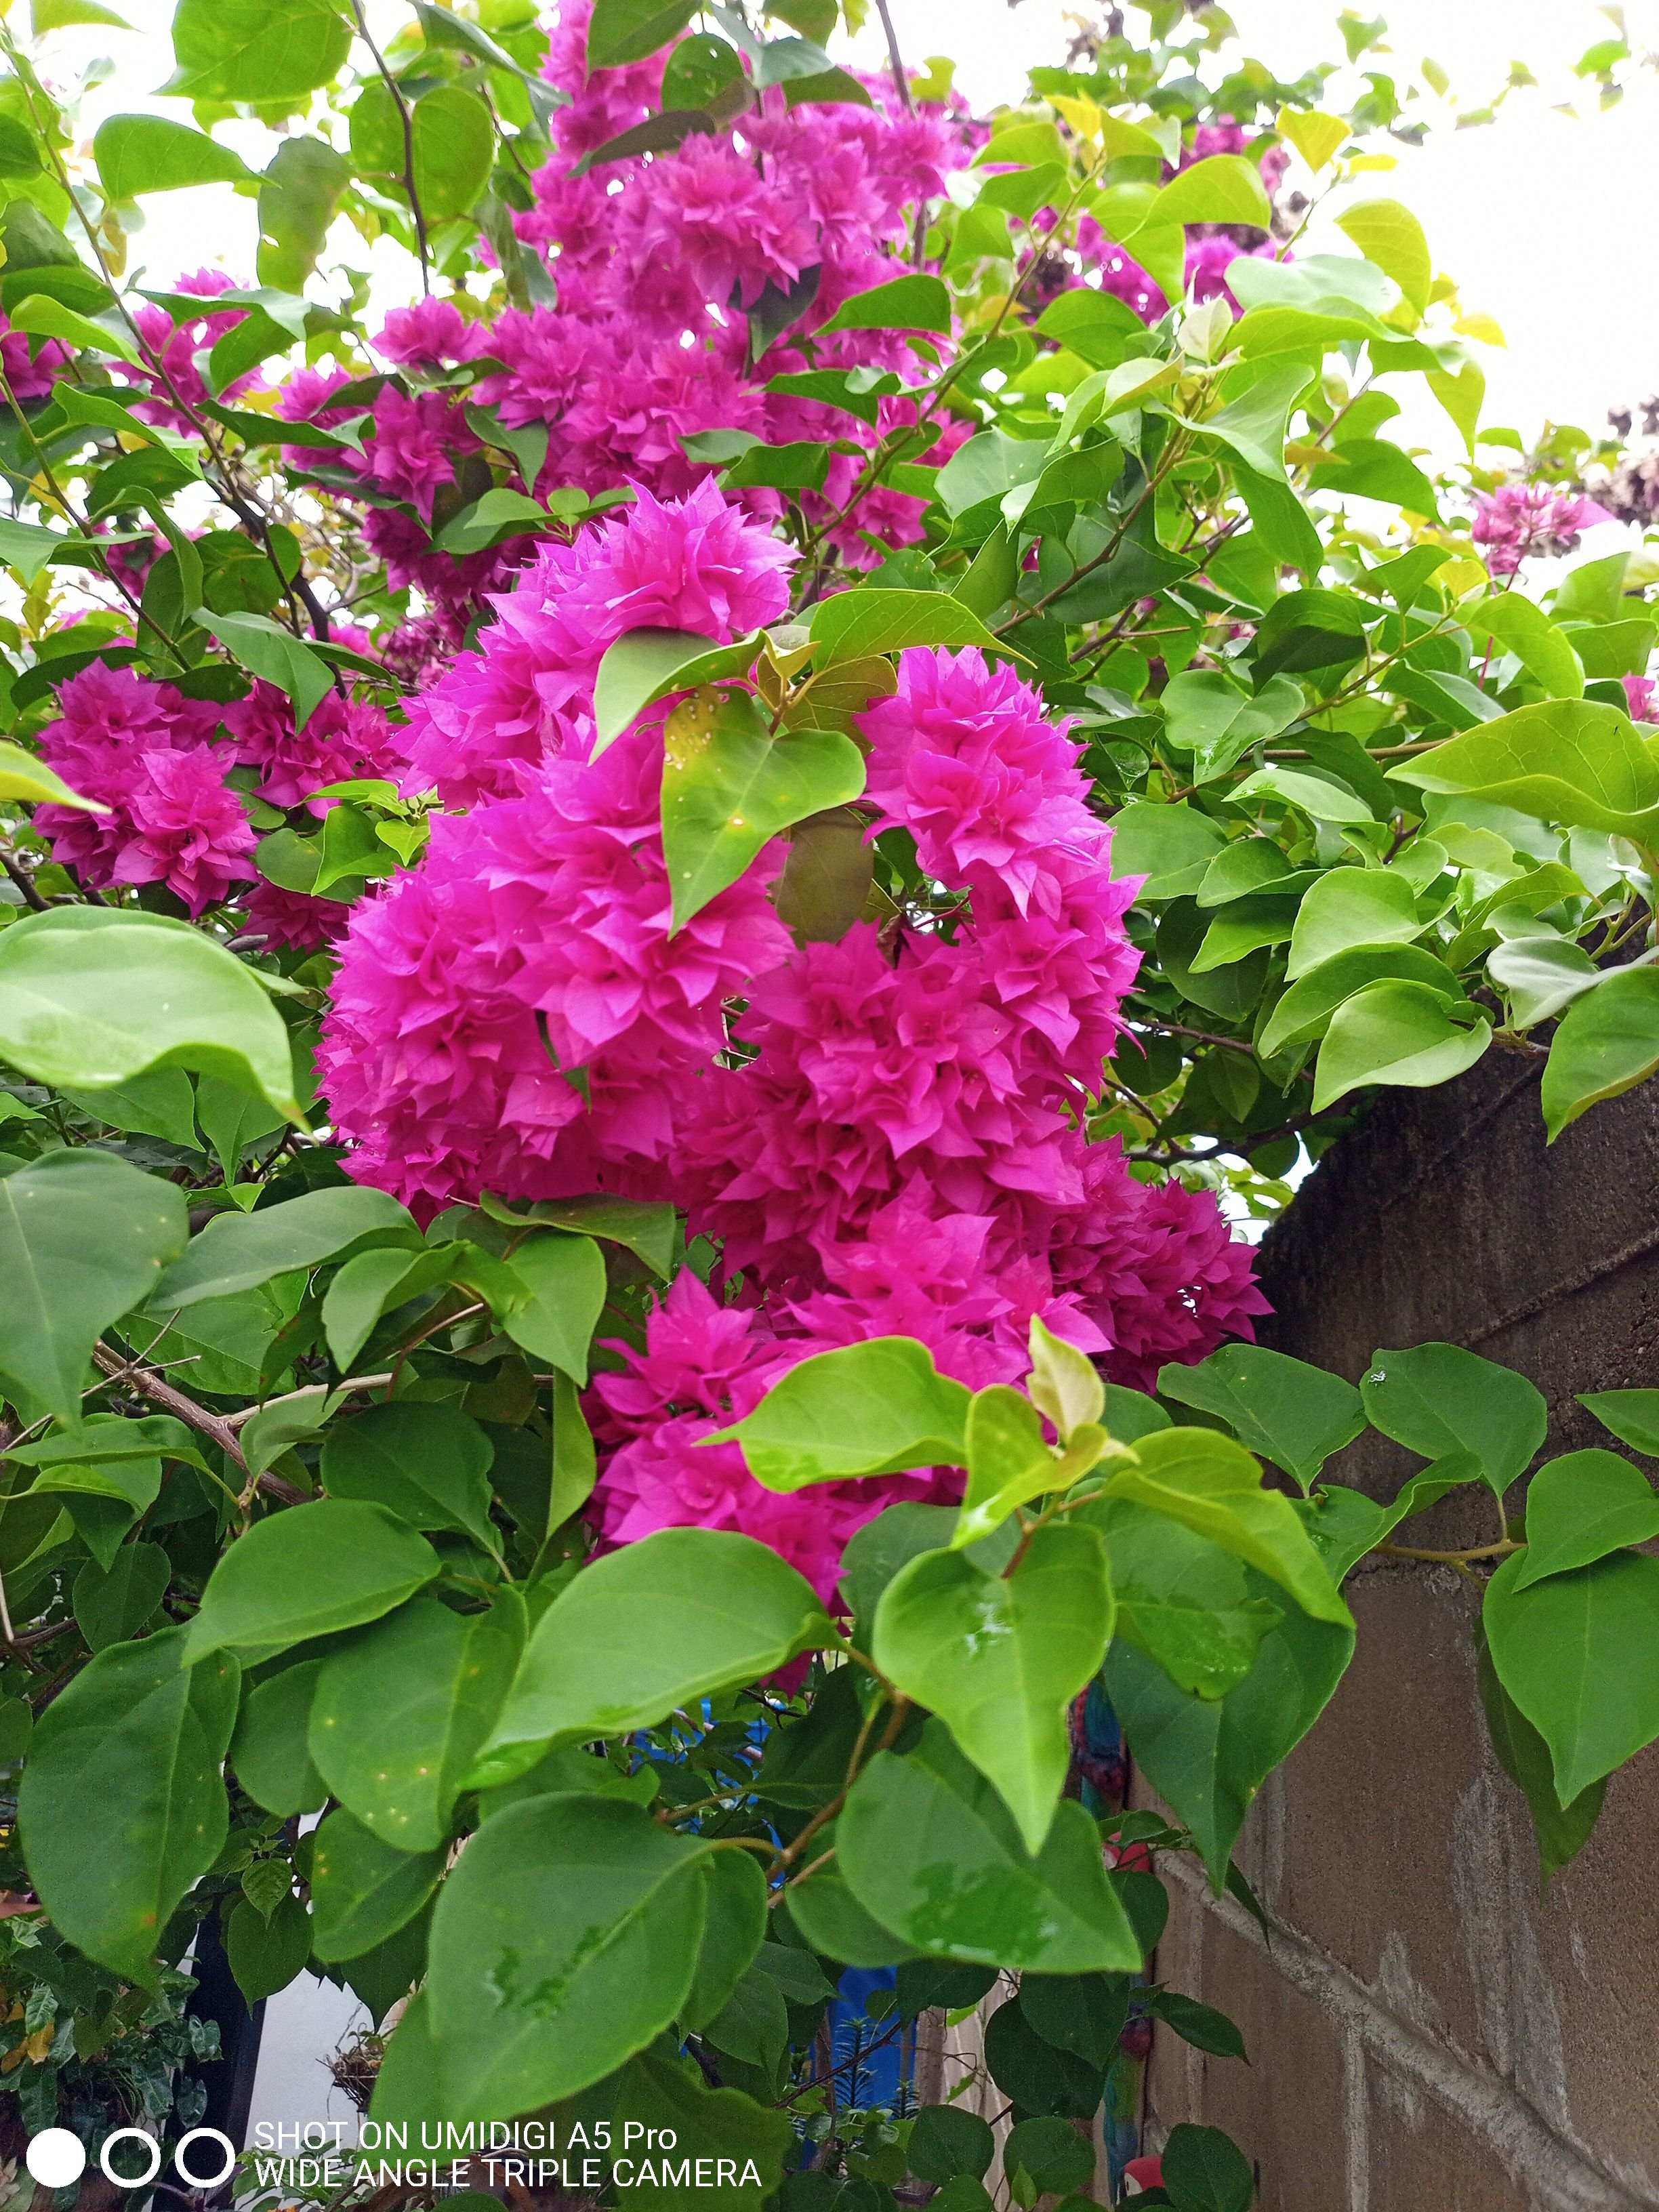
[{"x": 160, "y": 1392}]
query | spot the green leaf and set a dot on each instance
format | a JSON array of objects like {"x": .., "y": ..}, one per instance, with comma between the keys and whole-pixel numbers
[
  {"x": 139, "y": 154},
  {"x": 43, "y": 317},
  {"x": 1008, "y": 1461},
  {"x": 734, "y": 1927},
  {"x": 1205, "y": 713},
  {"x": 644, "y": 665},
  {"x": 300, "y": 193},
  {"x": 1181, "y": 1600},
  {"x": 83, "y": 1239},
  {"x": 1000, "y": 1659},
  {"x": 621, "y": 31},
  {"x": 1608, "y": 1042},
  {"x": 1632, "y": 1416},
  {"x": 1352, "y": 906},
  {"x": 927, "y": 1846},
  {"x": 112, "y": 1605},
  {"x": 1207, "y": 1758},
  {"x": 832, "y": 1921},
  {"x": 1051, "y": 2155},
  {"x": 1579, "y": 1654},
  {"x": 1204, "y": 2169},
  {"x": 1170, "y": 845},
  {"x": 27, "y": 548},
  {"x": 877, "y": 1407},
  {"x": 139, "y": 1735},
  {"x": 564, "y": 1940},
  {"x": 269, "y": 1751},
  {"x": 371, "y": 1284},
  {"x": 857, "y": 624},
  {"x": 1395, "y": 1033},
  {"x": 1222, "y": 188},
  {"x": 362, "y": 1890},
  {"x": 1254, "y": 419},
  {"x": 728, "y": 785},
  {"x": 104, "y": 1502},
  {"x": 1083, "y": 2014},
  {"x": 1035, "y": 2077},
  {"x": 265, "y": 648},
  {"x": 644, "y": 1227},
  {"x": 454, "y": 149},
  {"x": 1291, "y": 1413},
  {"x": 1391, "y": 239},
  {"x": 1525, "y": 1758},
  {"x": 263, "y": 51},
  {"x": 753, "y": 2024},
  {"x": 1201, "y": 2025},
  {"x": 677, "y": 1616},
  {"x": 266, "y": 1953},
  {"x": 499, "y": 513},
  {"x": 429, "y": 1464},
  {"x": 1508, "y": 623},
  {"x": 237, "y": 1251},
  {"x": 58, "y": 14},
  {"x": 1580, "y": 1507},
  {"x": 402, "y": 1707},
  {"x": 1213, "y": 1487},
  {"x": 309, "y": 1571},
  {"x": 945, "y": 2140},
  {"x": 1315, "y": 796},
  {"x": 1541, "y": 977},
  {"x": 1436, "y": 1399},
  {"x": 563, "y": 1279},
  {"x": 709, "y": 2126},
  {"x": 907, "y": 303},
  {"x": 91, "y": 996},
  {"x": 1306, "y": 1009}
]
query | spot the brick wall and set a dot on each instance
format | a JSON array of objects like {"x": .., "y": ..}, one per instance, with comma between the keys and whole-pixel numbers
[{"x": 1428, "y": 2034}]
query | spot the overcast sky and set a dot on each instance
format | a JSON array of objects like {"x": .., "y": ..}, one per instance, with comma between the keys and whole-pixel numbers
[{"x": 1542, "y": 217}]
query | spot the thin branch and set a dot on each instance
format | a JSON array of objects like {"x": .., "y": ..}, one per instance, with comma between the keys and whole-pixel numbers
[
  {"x": 900, "y": 79},
  {"x": 149, "y": 1384},
  {"x": 408, "y": 122}
]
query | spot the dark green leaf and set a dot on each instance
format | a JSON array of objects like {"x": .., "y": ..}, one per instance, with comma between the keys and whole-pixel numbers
[
  {"x": 1181, "y": 1600},
  {"x": 140, "y": 1736},
  {"x": 927, "y": 1846},
  {"x": 673, "y": 1618},
  {"x": 1438, "y": 1398},
  {"x": 907, "y": 303},
  {"x": 402, "y": 1707},
  {"x": 1201, "y": 2025},
  {"x": 1204, "y": 2170},
  {"x": 112, "y": 1604},
  {"x": 621, "y": 31},
  {"x": 268, "y": 1750},
  {"x": 266, "y": 1954},
  {"x": 1083, "y": 2014},
  {"x": 238, "y": 1251},
  {"x": 84, "y": 1238},
  {"x": 857, "y": 624},
  {"x": 945, "y": 2140},
  {"x": 1291, "y": 1413},
  {"x": 1580, "y": 1507},
  {"x": 1053, "y": 2157},
  {"x": 428, "y": 1464},
  {"x": 309, "y": 1571},
  {"x": 1033, "y": 2075},
  {"x": 362, "y": 1890},
  {"x": 1608, "y": 1042},
  {"x": 708, "y": 2125},
  {"x": 734, "y": 1926},
  {"x": 564, "y": 1940}
]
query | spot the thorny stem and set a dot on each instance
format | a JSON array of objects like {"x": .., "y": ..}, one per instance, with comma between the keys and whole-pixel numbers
[{"x": 900, "y": 79}]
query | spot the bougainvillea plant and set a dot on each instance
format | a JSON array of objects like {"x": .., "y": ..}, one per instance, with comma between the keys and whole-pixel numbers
[{"x": 663, "y": 900}]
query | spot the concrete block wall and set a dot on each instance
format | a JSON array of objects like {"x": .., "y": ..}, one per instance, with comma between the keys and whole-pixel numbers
[{"x": 1428, "y": 2033}]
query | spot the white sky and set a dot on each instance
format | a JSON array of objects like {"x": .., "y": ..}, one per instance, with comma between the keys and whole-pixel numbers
[{"x": 1540, "y": 217}]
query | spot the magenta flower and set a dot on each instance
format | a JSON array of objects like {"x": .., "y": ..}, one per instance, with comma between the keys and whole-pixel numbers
[
  {"x": 343, "y": 738},
  {"x": 1522, "y": 519}
]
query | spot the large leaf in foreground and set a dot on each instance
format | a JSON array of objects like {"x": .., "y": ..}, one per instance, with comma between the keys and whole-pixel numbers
[
  {"x": 122, "y": 1804},
  {"x": 92, "y": 996},
  {"x": 728, "y": 785},
  {"x": 927, "y": 1846},
  {"x": 83, "y": 1239},
  {"x": 1579, "y": 1654},
  {"x": 1207, "y": 1758},
  {"x": 309, "y": 1571},
  {"x": 872, "y": 1408},
  {"x": 659, "y": 1623},
  {"x": 1000, "y": 1658},
  {"x": 564, "y": 1940}
]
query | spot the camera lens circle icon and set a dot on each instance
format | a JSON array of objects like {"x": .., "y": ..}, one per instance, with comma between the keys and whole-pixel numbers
[
  {"x": 205, "y": 2180},
  {"x": 130, "y": 2135},
  {"x": 56, "y": 2158}
]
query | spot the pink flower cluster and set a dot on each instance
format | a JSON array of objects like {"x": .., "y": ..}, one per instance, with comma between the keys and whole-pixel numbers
[
  {"x": 692, "y": 564},
  {"x": 904, "y": 1152},
  {"x": 159, "y": 762},
  {"x": 1518, "y": 520}
]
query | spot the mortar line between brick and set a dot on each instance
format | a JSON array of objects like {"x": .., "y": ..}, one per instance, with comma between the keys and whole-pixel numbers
[
  {"x": 1558, "y": 2176},
  {"x": 1609, "y": 1264}
]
